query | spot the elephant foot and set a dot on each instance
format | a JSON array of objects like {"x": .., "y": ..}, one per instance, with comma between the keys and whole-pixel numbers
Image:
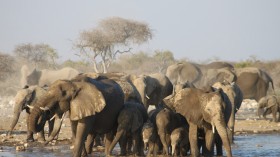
[{"x": 41, "y": 140}]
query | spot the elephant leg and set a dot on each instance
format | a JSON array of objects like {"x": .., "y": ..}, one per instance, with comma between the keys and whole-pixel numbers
[
  {"x": 117, "y": 137},
  {"x": 29, "y": 137},
  {"x": 108, "y": 141},
  {"x": 209, "y": 140},
  {"x": 274, "y": 113},
  {"x": 123, "y": 144},
  {"x": 193, "y": 139},
  {"x": 81, "y": 134},
  {"x": 89, "y": 142},
  {"x": 51, "y": 125},
  {"x": 138, "y": 144},
  {"x": 151, "y": 148},
  {"x": 266, "y": 112},
  {"x": 162, "y": 136}
]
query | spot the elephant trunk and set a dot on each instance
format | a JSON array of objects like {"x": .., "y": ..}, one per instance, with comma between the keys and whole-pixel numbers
[
  {"x": 16, "y": 114},
  {"x": 56, "y": 128},
  {"x": 222, "y": 131},
  {"x": 36, "y": 120}
]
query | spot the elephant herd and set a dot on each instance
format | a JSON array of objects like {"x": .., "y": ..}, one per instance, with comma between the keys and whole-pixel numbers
[{"x": 195, "y": 108}]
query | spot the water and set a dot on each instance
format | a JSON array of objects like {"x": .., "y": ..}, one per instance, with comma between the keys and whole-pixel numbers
[{"x": 258, "y": 145}]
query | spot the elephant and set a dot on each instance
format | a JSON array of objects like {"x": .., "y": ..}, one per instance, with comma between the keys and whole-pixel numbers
[
  {"x": 166, "y": 122},
  {"x": 180, "y": 141},
  {"x": 183, "y": 72},
  {"x": 235, "y": 98},
  {"x": 200, "y": 75},
  {"x": 152, "y": 88},
  {"x": 25, "y": 100},
  {"x": 45, "y": 76},
  {"x": 130, "y": 121},
  {"x": 253, "y": 82},
  {"x": 93, "y": 105},
  {"x": 180, "y": 86},
  {"x": 150, "y": 136},
  {"x": 271, "y": 104},
  {"x": 202, "y": 110}
]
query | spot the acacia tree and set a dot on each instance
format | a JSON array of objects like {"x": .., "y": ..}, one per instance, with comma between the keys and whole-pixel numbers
[
  {"x": 111, "y": 37},
  {"x": 6, "y": 66},
  {"x": 37, "y": 54},
  {"x": 163, "y": 59}
]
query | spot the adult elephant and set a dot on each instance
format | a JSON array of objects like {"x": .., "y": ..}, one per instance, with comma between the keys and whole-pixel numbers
[
  {"x": 130, "y": 121},
  {"x": 200, "y": 75},
  {"x": 270, "y": 104},
  {"x": 253, "y": 82},
  {"x": 152, "y": 88},
  {"x": 93, "y": 106},
  {"x": 234, "y": 95},
  {"x": 183, "y": 72},
  {"x": 45, "y": 76},
  {"x": 204, "y": 110},
  {"x": 25, "y": 100}
]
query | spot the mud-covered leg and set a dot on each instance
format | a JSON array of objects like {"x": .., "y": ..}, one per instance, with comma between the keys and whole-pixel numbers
[{"x": 193, "y": 139}]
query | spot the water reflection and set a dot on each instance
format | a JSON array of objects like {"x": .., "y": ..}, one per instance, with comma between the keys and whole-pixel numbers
[{"x": 245, "y": 146}]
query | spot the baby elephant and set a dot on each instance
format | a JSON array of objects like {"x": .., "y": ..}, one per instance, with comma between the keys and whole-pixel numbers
[
  {"x": 270, "y": 104},
  {"x": 180, "y": 141},
  {"x": 130, "y": 121}
]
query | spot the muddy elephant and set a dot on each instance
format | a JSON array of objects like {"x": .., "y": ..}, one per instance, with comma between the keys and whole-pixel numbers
[
  {"x": 270, "y": 104},
  {"x": 234, "y": 95},
  {"x": 93, "y": 107},
  {"x": 152, "y": 88},
  {"x": 204, "y": 110},
  {"x": 45, "y": 76},
  {"x": 25, "y": 100},
  {"x": 253, "y": 82},
  {"x": 130, "y": 121},
  {"x": 180, "y": 141},
  {"x": 166, "y": 122}
]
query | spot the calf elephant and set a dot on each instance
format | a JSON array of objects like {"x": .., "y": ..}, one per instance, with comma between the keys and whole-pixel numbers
[
  {"x": 93, "y": 107},
  {"x": 180, "y": 141},
  {"x": 166, "y": 122},
  {"x": 130, "y": 121},
  {"x": 201, "y": 109},
  {"x": 25, "y": 100},
  {"x": 253, "y": 82},
  {"x": 45, "y": 76},
  {"x": 271, "y": 104}
]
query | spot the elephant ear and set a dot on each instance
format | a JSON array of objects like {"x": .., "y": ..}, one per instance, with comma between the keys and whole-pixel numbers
[
  {"x": 151, "y": 84},
  {"x": 87, "y": 101}
]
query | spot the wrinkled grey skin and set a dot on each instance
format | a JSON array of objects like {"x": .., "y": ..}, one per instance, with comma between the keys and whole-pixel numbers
[
  {"x": 270, "y": 104},
  {"x": 130, "y": 121},
  {"x": 24, "y": 98},
  {"x": 253, "y": 82},
  {"x": 180, "y": 141},
  {"x": 152, "y": 88}
]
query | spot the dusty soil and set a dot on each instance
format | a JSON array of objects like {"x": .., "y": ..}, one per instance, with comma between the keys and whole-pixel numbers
[{"x": 246, "y": 123}]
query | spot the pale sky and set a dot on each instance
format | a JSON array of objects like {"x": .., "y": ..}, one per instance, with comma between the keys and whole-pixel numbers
[{"x": 198, "y": 30}]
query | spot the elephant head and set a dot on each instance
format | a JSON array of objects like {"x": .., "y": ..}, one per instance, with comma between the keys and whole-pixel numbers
[
  {"x": 24, "y": 100},
  {"x": 145, "y": 86},
  {"x": 83, "y": 98},
  {"x": 201, "y": 109}
]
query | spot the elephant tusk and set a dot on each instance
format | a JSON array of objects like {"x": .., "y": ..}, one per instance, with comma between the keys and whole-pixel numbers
[
  {"x": 44, "y": 108},
  {"x": 213, "y": 128},
  {"x": 52, "y": 117},
  {"x": 62, "y": 117},
  {"x": 147, "y": 96},
  {"x": 31, "y": 107}
]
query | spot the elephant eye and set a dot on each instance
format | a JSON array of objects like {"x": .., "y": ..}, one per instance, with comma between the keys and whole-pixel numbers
[{"x": 63, "y": 93}]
